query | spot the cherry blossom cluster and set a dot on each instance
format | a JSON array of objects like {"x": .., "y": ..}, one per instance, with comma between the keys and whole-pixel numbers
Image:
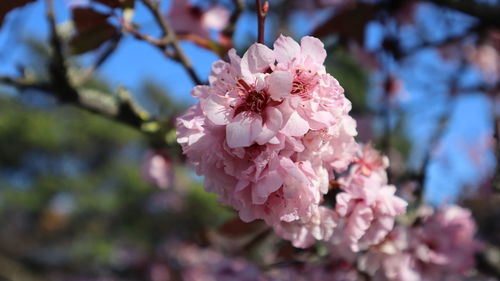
[
  {"x": 268, "y": 134},
  {"x": 440, "y": 246}
]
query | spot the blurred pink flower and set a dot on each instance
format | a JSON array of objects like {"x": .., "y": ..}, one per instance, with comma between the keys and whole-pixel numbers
[
  {"x": 186, "y": 18},
  {"x": 157, "y": 169},
  {"x": 487, "y": 59},
  {"x": 368, "y": 206},
  {"x": 208, "y": 264},
  {"x": 440, "y": 247},
  {"x": 446, "y": 240}
]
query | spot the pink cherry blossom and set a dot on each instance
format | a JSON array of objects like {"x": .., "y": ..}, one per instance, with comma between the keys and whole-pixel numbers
[
  {"x": 195, "y": 263},
  {"x": 157, "y": 169},
  {"x": 440, "y": 247},
  {"x": 446, "y": 241},
  {"x": 368, "y": 206},
  {"x": 267, "y": 133},
  {"x": 304, "y": 234},
  {"x": 188, "y": 19}
]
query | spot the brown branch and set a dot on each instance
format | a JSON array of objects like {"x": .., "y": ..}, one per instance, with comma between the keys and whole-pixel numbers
[
  {"x": 120, "y": 110},
  {"x": 261, "y": 19},
  {"x": 496, "y": 137},
  {"x": 23, "y": 84},
  {"x": 233, "y": 20},
  {"x": 169, "y": 38},
  {"x": 449, "y": 40},
  {"x": 111, "y": 48},
  {"x": 487, "y": 13}
]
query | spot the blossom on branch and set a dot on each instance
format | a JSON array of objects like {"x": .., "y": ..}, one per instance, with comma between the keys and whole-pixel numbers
[{"x": 267, "y": 134}]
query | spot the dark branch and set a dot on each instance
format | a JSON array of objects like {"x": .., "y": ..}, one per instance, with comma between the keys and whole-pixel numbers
[
  {"x": 496, "y": 136},
  {"x": 487, "y": 13},
  {"x": 121, "y": 109},
  {"x": 111, "y": 48},
  {"x": 261, "y": 19},
  {"x": 169, "y": 38},
  {"x": 235, "y": 16}
]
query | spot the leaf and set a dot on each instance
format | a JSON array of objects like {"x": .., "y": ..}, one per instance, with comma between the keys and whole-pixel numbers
[
  {"x": 86, "y": 19},
  {"x": 8, "y": 5},
  {"x": 92, "y": 39},
  {"x": 92, "y": 30},
  {"x": 349, "y": 23},
  {"x": 117, "y": 3},
  {"x": 109, "y": 3}
]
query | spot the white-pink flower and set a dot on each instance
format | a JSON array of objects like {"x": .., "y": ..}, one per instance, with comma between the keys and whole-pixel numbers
[
  {"x": 441, "y": 246},
  {"x": 267, "y": 134},
  {"x": 368, "y": 206},
  {"x": 157, "y": 169},
  {"x": 186, "y": 18}
]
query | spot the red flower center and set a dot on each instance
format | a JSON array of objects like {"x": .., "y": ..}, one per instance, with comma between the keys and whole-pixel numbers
[
  {"x": 304, "y": 83},
  {"x": 252, "y": 100}
]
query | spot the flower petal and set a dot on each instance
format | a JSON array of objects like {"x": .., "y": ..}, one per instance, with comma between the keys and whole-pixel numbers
[
  {"x": 296, "y": 126},
  {"x": 216, "y": 110},
  {"x": 243, "y": 130},
  {"x": 286, "y": 49},
  {"x": 313, "y": 48},
  {"x": 269, "y": 184},
  {"x": 257, "y": 59},
  {"x": 272, "y": 125},
  {"x": 280, "y": 84}
]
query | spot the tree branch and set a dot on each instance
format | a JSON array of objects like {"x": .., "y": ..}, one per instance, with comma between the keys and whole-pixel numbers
[
  {"x": 233, "y": 20},
  {"x": 170, "y": 38},
  {"x": 121, "y": 109},
  {"x": 496, "y": 136},
  {"x": 100, "y": 60},
  {"x": 487, "y": 13},
  {"x": 261, "y": 19}
]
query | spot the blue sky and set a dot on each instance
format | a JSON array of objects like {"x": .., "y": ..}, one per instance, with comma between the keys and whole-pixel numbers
[{"x": 135, "y": 61}]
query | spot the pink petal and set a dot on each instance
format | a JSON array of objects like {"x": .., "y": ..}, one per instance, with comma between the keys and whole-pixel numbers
[
  {"x": 313, "y": 48},
  {"x": 286, "y": 49},
  {"x": 257, "y": 59},
  {"x": 342, "y": 203},
  {"x": 296, "y": 126},
  {"x": 243, "y": 130},
  {"x": 216, "y": 110},
  {"x": 273, "y": 124},
  {"x": 357, "y": 225},
  {"x": 216, "y": 18},
  {"x": 280, "y": 84},
  {"x": 292, "y": 170},
  {"x": 269, "y": 184}
]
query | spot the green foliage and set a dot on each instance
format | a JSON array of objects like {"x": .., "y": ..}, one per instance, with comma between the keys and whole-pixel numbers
[{"x": 73, "y": 195}]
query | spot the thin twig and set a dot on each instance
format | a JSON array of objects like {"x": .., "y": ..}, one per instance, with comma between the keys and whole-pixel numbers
[
  {"x": 100, "y": 60},
  {"x": 170, "y": 37},
  {"x": 483, "y": 10},
  {"x": 449, "y": 40},
  {"x": 261, "y": 19},
  {"x": 159, "y": 43},
  {"x": 23, "y": 84},
  {"x": 239, "y": 7},
  {"x": 120, "y": 111},
  {"x": 496, "y": 137},
  {"x": 59, "y": 85}
]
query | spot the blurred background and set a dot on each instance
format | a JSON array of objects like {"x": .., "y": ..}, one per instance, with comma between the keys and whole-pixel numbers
[{"x": 80, "y": 198}]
